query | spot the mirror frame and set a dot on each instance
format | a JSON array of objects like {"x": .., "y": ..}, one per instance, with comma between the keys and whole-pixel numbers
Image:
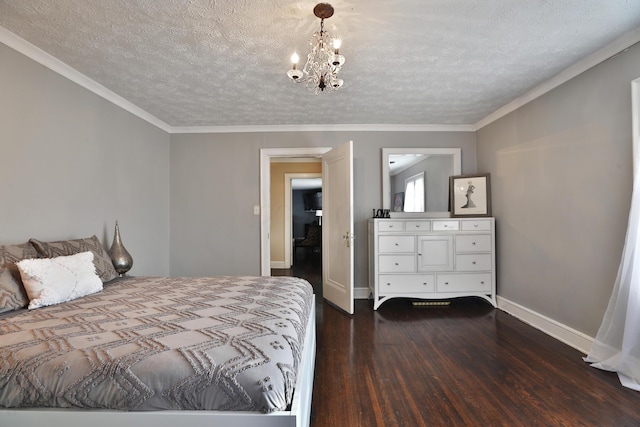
[{"x": 386, "y": 179}]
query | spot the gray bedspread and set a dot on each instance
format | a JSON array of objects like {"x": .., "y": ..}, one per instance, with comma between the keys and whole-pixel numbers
[{"x": 224, "y": 343}]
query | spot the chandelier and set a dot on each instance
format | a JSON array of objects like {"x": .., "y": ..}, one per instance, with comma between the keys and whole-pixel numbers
[{"x": 324, "y": 62}]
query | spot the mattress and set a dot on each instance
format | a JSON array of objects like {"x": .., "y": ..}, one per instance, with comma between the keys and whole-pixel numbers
[{"x": 151, "y": 343}]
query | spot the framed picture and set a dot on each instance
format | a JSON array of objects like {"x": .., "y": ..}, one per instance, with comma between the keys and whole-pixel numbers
[
  {"x": 398, "y": 202},
  {"x": 470, "y": 195}
]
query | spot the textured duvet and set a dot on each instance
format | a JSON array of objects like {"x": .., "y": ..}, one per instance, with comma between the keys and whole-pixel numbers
[{"x": 223, "y": 343}]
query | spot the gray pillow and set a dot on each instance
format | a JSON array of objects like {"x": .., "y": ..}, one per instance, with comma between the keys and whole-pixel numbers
[
  {"x": 101, "y": 259},
  {"x": 12, "y": 293}
]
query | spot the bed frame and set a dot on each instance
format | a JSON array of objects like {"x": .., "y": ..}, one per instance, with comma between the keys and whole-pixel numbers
[{"x": 298, "y": 416}]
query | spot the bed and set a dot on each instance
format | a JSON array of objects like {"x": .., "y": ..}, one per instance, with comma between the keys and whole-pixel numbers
[{"x": 157, "y": 351}]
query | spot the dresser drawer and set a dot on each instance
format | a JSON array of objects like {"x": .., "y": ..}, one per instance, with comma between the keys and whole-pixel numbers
[
  {"x": 396, "y": 244},
  {"x": 476, "y": 225},
  {"x": 464, "y": 282},
  {"x": 449, "y": 225},
  {"x": 473, "y": 243},
  {"x": 406, "y": 283},
  {"x": 473, "y": 262},
  {"x": 397, "y": 263},
  {"x": 417, "y": 226},
  {"x": 384, "y": 226}
]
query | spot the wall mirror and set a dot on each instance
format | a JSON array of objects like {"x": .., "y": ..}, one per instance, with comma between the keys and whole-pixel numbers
[{"x": 415, "y": 181}]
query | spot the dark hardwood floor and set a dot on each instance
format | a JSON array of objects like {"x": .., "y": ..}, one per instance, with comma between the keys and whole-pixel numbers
[{"x": 466, "y": 364}]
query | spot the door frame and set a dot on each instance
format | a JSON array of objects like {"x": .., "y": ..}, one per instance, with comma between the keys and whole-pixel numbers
[{"x": 266, "y": 154}]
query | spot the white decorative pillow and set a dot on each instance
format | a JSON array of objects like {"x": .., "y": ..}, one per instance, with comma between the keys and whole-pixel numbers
[{"x": 51, "y": 281}]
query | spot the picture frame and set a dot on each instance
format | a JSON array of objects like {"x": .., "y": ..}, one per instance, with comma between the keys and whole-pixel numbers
[
  {"x": 470, "y": 195},
  {"x": 398, "y": 202}
]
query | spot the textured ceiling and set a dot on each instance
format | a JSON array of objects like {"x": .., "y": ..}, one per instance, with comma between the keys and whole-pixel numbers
[{"x": 224, "y": 62}]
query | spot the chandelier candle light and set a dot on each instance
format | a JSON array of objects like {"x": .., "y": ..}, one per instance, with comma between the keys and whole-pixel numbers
[{"x": 324, "y": 62}]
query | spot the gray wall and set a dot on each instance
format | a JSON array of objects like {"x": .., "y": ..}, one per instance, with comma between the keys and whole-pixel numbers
[
  {"x": 561, "y": 175},
  {"x": 73, "y": 163},
  {"x": 215, "y": 183}
]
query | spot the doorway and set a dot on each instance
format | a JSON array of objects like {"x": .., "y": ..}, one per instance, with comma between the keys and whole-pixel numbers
[
  {"x": 266, "y": 157},
  {"x": 277, "y": 237},
  {"x": 337, "y": 230},
  {"x": 303, "y": 229},
  {"x": 302, "y": 215}
]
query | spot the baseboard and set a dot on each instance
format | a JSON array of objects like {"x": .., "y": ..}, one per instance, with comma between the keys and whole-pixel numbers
[
  {"x": 361, "y": 293},
  {"x": 557, "y": 330}
]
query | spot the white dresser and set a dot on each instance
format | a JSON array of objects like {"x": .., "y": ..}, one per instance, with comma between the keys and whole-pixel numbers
[{"x": 436, "y": 258}]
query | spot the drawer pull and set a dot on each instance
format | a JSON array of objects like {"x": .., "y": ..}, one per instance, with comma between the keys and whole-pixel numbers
[
  {"x": 417, "y": 225},
  {"x": 475, "y": 225},
  {"x": 388, "y": 284},
  {"x": 473, "y": 262},
  {"x": 473, "y": 243},
  {"x": 424, "y": 284},
  {"x": 397, "y": 244},
  {"x": 446, "y": 283},
  {"x": 482, "y": 282},
  {"x": 397, "y": 263}
]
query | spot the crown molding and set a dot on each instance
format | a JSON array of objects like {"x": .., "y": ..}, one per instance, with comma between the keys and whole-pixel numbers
[
  {"x": 620, "y": 44},
  {"x": 43, "y": 58},
  {"x": 325, "y": 128}
]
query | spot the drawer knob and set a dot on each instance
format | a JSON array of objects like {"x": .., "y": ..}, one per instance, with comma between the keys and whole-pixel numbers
[
  {"x": 424, "y": 284},
  {"x": 397, "y": 263},
  {"x": 473, "y": 243},
  {"x": 473, "y": 262},
  {"x": 475, "y": 225},
  {"x": 397, "y": 244},
  {"x": 388, "y": 284},
  {"x": 446, "y": 283},
  {"x": 482, "y": 282}
]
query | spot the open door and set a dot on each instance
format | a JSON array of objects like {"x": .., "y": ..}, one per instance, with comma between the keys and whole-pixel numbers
[{"x": 337, "y": 226}]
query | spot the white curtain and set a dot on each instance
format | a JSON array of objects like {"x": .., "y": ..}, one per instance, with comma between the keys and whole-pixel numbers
[{"x": 617, "y": 345}]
